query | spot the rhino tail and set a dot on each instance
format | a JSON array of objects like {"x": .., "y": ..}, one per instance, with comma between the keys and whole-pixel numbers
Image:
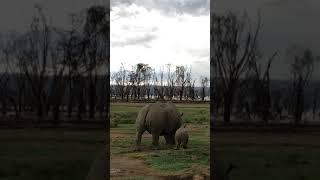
[{"x": 142, "y": 116}]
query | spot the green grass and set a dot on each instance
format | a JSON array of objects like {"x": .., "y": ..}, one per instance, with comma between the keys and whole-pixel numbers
[
  {"x": 271, "y": 162},
  {"x": 47, "y": 154},
  {"x": 166, "y": 159},
  {"x": 178, "y": 160},
  {"x": 126, "y": 113}
]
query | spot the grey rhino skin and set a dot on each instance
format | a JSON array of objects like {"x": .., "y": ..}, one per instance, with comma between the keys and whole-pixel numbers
[
  {"x": 182, "y": 137},
  {"x": 159, "y": 119}
]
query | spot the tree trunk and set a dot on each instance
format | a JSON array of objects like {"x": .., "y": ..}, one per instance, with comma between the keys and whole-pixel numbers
[
  {"x": 70, "y": 106},
  {"x": 227, "y": 111},
  {"x": 298, "y": 107},
  {"x": 92, "y": 98},
  {"x": 39, "y": 111},
  {"x": 203, "y": 93},
  {"x": 228, "y": 99},
  {"x": 56, "y": 112}
]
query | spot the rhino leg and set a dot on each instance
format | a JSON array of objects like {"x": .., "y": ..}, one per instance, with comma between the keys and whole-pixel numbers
[
  {"x": 184, "y": 146},
  {"x": 138, "y": 140},
  {"x": 169, "y": 139},
  {"x": 155, "y": 140},
  {"x": 178, "y": 146}
]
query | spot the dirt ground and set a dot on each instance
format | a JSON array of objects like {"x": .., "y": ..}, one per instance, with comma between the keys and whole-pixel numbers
[{"x": 123, "y": 166}]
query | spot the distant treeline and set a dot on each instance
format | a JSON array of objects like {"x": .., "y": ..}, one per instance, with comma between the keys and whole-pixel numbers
[{"x": 143, "y": 82}]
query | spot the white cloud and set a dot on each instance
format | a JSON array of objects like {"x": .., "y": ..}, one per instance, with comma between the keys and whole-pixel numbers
[{"x": 146, "y": 35}]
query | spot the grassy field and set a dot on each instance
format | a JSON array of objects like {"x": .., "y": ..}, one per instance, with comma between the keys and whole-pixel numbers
[
  {"x": 265, "y": 156},
  {"x": 34, "y": 154},
  {"x": 122, "y": 113},
  {"x": 166, "y": 161}
]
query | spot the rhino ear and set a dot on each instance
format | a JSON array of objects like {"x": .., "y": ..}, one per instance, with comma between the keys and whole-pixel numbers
[
  {"x": 184, "y": 125},
  {"x": 181, "y": 114}
]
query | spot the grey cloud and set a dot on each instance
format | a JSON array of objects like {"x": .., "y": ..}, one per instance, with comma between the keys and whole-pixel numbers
[
  {"x": 170, "y": 7},
  {"x": 200, "y": 53},
  {"x": 139, "y": 40},
  {"x": 201, "y": 68}
]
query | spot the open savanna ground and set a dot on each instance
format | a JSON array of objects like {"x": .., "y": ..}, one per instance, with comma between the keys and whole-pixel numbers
[
  {"x": 51, "y": 154},
  {"x": 165, "y": 162},
  {"x": 268, "y": 155}
]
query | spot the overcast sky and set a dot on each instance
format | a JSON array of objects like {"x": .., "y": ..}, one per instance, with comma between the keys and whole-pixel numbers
[
  {"x": 284, "y": 22},
  {"x": 158, "y": 32},
  {"x": 17, "y": 14}
]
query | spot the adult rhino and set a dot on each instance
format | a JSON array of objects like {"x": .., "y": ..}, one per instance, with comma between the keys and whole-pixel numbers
[{"x": 159, "y": 119}]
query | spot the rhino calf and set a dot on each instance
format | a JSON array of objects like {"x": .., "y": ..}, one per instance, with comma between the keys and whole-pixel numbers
[{"x": 182, "y": 137}]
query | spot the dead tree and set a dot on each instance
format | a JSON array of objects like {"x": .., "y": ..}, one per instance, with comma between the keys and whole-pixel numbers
[
  {"x": 261, "y": 89},
  {"x": 32, "y": 53},
  {"x": 233, "y": 45},
  {"x": 95, "y": 44},
  {"x": 158, "y": 84},
  {"x": 204, "y": 84},
  {"x": 170, "y": 87},
  {"x": 181, "y": 79},
  {"x": 147, "y": 80},
  {"x": 120, "y": 81},
  {"x": 302, "y": 63}
]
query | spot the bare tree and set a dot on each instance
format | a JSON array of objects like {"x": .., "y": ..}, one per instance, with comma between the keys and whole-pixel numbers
[
  {"x": 204, "y": 84},
  {"x": 147, "y": 80},
  {"x": 59, "y": 83},
  {"x": 158, "y": 84},
  {"x": 170, "y": 82},
  {"x": 302, "y": 63},
  {"x": 233, "y": 46},
  {"x": 120, "y": 81},
  {"x": 190, "y": 86},
  {"x": 32, "y": 52},
  {"x": 95, "y": 44},
  {"x": 261, "y": 89},
  {"x": 181, "y": 79}
]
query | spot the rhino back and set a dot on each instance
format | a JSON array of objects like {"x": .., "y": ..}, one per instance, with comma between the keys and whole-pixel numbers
[
  {"x": 174, "y": 117},
  {"x": 163, "y": 118},
  {"x": 155, "y": 118}
]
